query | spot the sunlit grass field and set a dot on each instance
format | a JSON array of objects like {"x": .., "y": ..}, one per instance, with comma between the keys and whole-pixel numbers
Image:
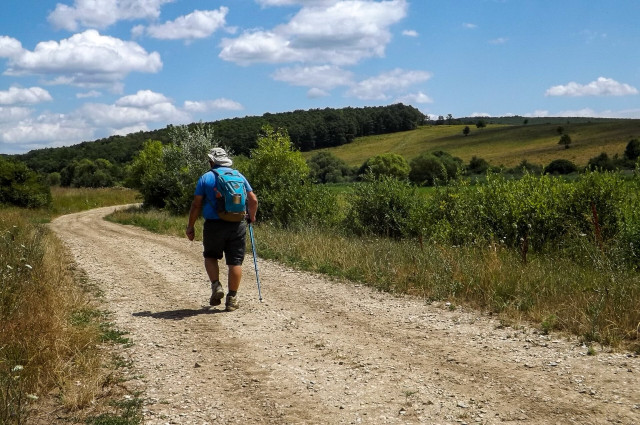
[{"x": 500, "y": 145}]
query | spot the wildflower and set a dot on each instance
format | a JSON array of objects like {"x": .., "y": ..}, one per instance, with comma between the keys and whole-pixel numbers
[
  {"x": 17, "y": 368},
  {"x": 32, "y": 397}
]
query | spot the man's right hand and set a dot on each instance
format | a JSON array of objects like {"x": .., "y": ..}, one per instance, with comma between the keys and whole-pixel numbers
[{"x": 190, "y": 232}]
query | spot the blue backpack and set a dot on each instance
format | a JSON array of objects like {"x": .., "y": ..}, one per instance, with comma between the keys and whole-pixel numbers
[{"x": 231, "y": 195}]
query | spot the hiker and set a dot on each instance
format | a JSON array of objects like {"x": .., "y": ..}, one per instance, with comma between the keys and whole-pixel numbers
[{"x": 221, "y": 236}]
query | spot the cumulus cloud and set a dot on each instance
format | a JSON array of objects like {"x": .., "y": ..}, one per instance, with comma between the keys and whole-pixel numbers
[
  {"x": 325, "y": 77},
  {"x": 13, "y": 114},
  {"x": 212, "y": 105},
  {"x": 86, "y": 58},
  {"x": 265, "y": 3},
  {"x": 9, "y": 47},
  {"x": 44, "y": 130},
  {"x": 198, "y": 24},
  {"x": 410, "y": 33},
  {"x": 315, "y": 93},
  {"x": 338, "y": 33},
  {"x": 601, "y": 87},
  {"x": 380, "y": 87},
  {"x": 131, "y": 113},
  {"x": 414, "y": 98},
  {"x": 20, "y": 96},
  {"x": 102, "y": 13}
]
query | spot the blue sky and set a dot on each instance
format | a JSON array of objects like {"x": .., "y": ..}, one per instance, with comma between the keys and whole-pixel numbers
[{"x": 79, "y": 70}]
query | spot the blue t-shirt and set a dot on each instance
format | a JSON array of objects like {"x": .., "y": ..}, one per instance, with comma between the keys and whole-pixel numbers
[{"x": 205, "y": 186}]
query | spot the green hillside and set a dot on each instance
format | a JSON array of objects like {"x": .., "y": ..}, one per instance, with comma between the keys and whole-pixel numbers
[{"x": 499, "y": 144}]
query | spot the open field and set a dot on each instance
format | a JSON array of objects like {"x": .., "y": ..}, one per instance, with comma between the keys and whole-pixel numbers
[{"x": 499, "y": 144}]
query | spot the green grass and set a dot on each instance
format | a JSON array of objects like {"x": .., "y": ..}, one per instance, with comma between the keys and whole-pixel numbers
[{"x": 499, "y": 144}]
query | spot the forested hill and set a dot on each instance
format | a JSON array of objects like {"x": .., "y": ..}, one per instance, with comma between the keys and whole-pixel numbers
[{"x": 311, "y": 129}]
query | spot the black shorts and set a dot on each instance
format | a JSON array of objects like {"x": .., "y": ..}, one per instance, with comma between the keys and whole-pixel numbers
[{"x": 224, "y": 237}]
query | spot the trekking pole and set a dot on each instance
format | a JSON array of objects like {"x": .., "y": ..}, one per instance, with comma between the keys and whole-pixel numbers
[{"x": 255, "y": 260}]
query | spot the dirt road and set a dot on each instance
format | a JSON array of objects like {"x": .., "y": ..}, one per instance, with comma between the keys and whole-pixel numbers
[{"x": 324, "y": 352}]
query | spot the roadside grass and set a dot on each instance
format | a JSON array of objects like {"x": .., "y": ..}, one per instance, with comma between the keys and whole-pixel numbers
[
  {"x": 594, "y": 299},
  {"x": 54, "y": 330},
  {"x": 499, "y": 144}
]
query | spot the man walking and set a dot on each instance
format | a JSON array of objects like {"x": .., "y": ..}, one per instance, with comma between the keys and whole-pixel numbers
[{"x": 219, "y": 236}]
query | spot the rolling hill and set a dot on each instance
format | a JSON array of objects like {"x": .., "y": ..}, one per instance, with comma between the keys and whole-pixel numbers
[{"x": 500, "y": 143}]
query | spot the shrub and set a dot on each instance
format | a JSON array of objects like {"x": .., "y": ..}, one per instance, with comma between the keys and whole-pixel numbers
[
  {"x": 21, "y": 186},
  {"x": 477, "y": 166},
  {"x": 386, "y": 164},
  {"x": 328, "y": 168},
  {"x": 561, "y": 166},
  {"x": 601, "y": 162},
  {"x": 280, "y": 177},
  {"x": 632, "y": 151},
  {"x": 382, "y": 207}
]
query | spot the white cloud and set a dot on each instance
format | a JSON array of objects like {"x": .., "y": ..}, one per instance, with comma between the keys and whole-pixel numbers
[
  {"x": 19, "y": 96},
  {"x": 9, "y": 47},
  {"x": 91, "y": 93},
  {"x": 13, "y": 114},
  {"x": 339, "y": 33},
  {"x": 86, "y": 58},
  {"x": 396, "y": 81},
  {"x": 142, "y": 99},
  {"x": 480, "y": 115},
  {"x": 324, "y": 77},
  {"x": 315, "y": 93},
  {"x": 414, "y": 98},
  {"x": 143, "y": 107},
  {"x": 469, "y": 26},
  {"x": 212, "y": 105},
  {"x": 601, "y": 87},
  {"x": 410, "y": 33},
  {"x": 265, "y": 3},
  {"x": 42, "y": 131},
  {"x": 102, "y": 13},
  {"x": 198, "y": 24}
]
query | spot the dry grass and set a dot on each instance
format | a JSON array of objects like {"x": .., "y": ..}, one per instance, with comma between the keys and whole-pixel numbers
[{"x": 51, "y": 323}]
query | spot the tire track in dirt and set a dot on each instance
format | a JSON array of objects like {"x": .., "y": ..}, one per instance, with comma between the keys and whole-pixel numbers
[{"x": 319, "y": 351}]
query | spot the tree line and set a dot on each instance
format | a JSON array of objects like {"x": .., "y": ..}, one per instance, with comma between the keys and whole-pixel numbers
[{"x": 308, "y": 130}]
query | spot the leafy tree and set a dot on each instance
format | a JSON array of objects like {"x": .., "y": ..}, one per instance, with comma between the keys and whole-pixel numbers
[
  {"x": 280, "y": 177},
  {"x": 632, "y": 151},
  {"x": 427, "y": 169},
  {"x": 21, "y": 186},
  {"x": 386, "y": 164},
  {"x": 466, "y": 130},
  {"x": 477, "y": 166},
  {"x": 481, "y": 124},
  {"x": 328, "y": 168},
  {"x": 54, "y": 179},
  {"x": 561, "y": 166},
  {"x": 601, "y": 162},
  {"x": 565, "y": 140},
  {"x": 166, "y": 175},
  {"x": 560, "y": 129}
]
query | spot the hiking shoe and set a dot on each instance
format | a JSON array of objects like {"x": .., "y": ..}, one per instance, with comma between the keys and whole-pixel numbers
[
  {"x": 217, "y": 293},
  {"x": 232, "y": 303}
]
